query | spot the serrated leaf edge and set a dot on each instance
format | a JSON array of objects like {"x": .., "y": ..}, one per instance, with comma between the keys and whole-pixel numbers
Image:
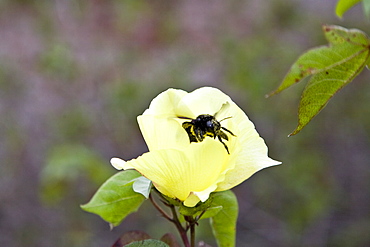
[{"x": 357, "y": 71}]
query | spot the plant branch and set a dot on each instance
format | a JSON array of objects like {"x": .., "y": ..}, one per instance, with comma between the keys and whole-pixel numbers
[
  {"x": 163, "y": 213},
  {"x": 175, "y": 220}
]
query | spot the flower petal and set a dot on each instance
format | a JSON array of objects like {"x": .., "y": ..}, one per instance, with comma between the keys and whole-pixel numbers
[
  {"x": 192, "y": 200},
  {"x": 208, "y": 159},
  {"x": 205, "y": 100},
  {"x": 167, "y": 169},
  {"x": 162, "y": 133},
  {"x": 249, "y": 151},
  {"x": 166, "y": 102},
  {"x": 119, "y": 164},
  {"x": 176, "y": 174}
]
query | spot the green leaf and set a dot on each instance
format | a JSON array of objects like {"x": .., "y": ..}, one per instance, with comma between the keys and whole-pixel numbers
[
  {"x": 311, "y": 62},
  {"x": 344, "y": 5},
  {"x": 116, "y": 199},
  {"x": 147, "y": 243},
  {"x": 337, "y": 35},
  {"x": 224, "y": 222},
  {"x": 143, "y": 186},
  {"x": 344, "y": 44},
  {"x": 332, "y": 67},
  {"x": 321, "y": 88}
]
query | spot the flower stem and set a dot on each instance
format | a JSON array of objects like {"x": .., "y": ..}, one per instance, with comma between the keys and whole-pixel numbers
[
  {"x": 179, "y": 227},
  {"x": 175, "y": 220},
  {"x": 191, "y": 224},
  {"x": 192, "y": 235},
  {"x": 163, "y": 213}
]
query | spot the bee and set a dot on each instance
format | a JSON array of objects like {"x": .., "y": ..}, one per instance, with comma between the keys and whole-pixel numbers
[{"x": 206, "y": 125}]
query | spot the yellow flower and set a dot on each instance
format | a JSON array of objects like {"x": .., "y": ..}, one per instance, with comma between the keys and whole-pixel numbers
[{"x": 190, "y": 171}]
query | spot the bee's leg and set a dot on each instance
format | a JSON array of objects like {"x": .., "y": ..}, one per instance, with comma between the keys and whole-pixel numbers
[
  {"x": 220, "y": 139},
  {"x": 228, "y": 131},
  {"x": 223, "y": 135},
  {"x": 198, "y": 134}
]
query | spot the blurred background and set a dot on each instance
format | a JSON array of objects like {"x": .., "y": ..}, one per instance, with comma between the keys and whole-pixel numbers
[{"x": 75, "y": 74}]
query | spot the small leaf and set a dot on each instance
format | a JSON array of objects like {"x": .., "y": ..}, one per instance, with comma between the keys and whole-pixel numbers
[
  {"x": 143, "y": 186},
  {"x": 224, "y": 222},
  {"x": 148, "y": 243},
  {"x": 344, "y": 5},
  {"x": 115, "y": 199},
  {"x": 130, "y": 237}
]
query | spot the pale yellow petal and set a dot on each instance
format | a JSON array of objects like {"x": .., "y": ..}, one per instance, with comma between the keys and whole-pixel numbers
[
  {"x": 167, "y": 169},
  {"x": 208, "y": 159},
  {"x": 191, "y": 201},
  {"x": 248, "y": 163},
  {"x": 204, "y": 195},
  {"x": 248, "y": 150},
  {"x": 177, "y": 174},
  {"x": 162, "y": 133},
  {"x": 166, "y": 102},
  {"x": 205, "y": 100},
  {"x": 119, "y": 164}
]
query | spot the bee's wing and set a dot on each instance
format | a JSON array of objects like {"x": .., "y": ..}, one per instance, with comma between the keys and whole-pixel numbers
[{"x": 221, "y": 113}]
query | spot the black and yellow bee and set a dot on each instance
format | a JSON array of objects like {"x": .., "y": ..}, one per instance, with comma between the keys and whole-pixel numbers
[{"x": 206, "y": 125}]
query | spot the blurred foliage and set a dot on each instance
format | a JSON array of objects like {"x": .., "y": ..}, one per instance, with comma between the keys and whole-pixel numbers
[
  {"x": 65, "y": 166},
  {"x": 58, "y": 61},
  {"x": 75, "y": 74}
]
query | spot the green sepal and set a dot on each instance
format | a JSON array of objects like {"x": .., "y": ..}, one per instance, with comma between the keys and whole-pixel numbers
[
  {"x": 193, "y": 211},
  {"x": 205, "y": 209},
  {"x": 171, "y": 201},
  {"x": 116, "y": 199},
  {"x": 224, "y": 222}
]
